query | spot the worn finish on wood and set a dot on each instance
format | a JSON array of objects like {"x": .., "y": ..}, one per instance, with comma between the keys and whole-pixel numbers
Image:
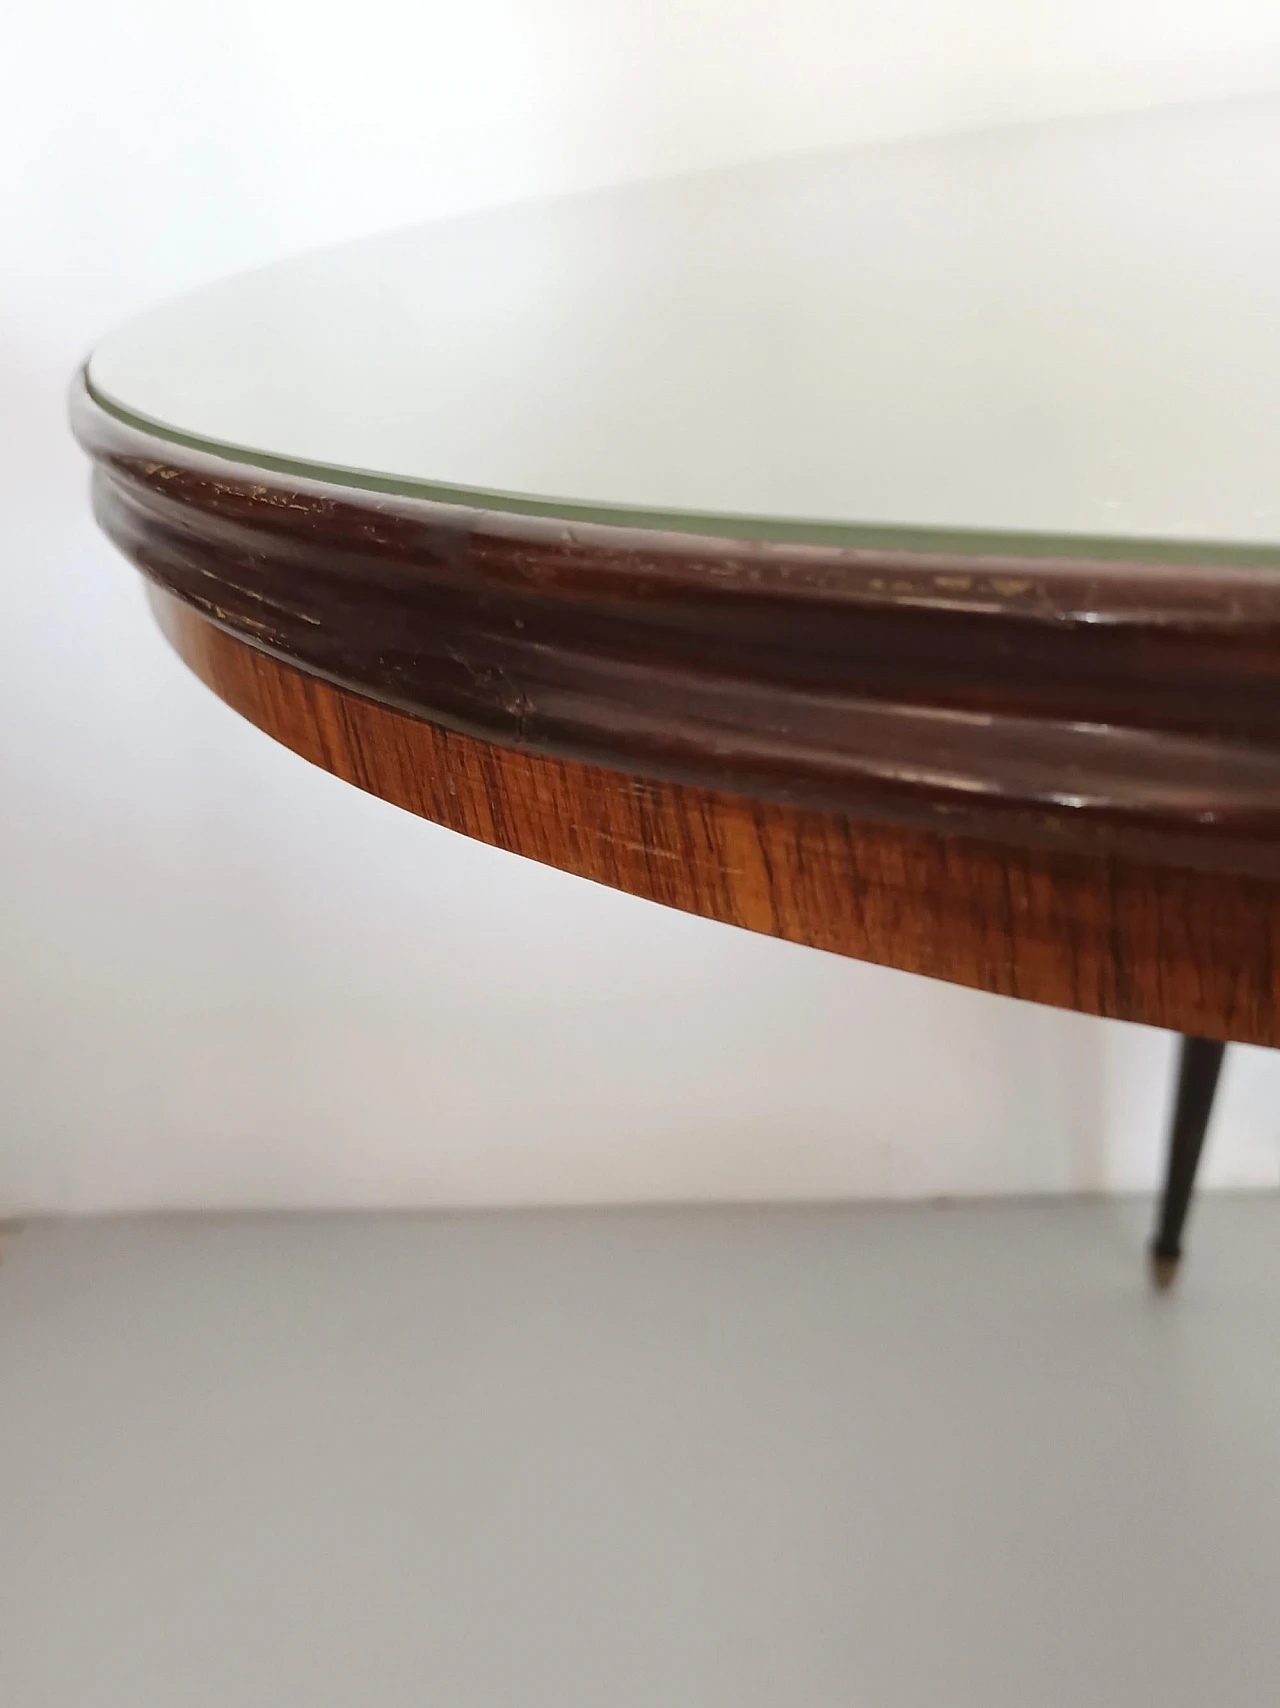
[
  {"x": 1187, "y": 950},
  {"x": 1054, "y": 779},
  {"x": 1199, "y": 1064},
  {"x": 1079, "y": 705}
]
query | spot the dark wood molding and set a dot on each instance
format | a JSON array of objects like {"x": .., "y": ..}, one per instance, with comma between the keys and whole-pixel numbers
[
  {"x": 1048, "y": 778},
  {"x": 1126, "y": 709},
  {"x": 1194, "y": 951}
]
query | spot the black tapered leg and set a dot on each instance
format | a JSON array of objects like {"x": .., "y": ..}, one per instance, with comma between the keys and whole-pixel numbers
[{"x": 1199, "y": 1064}]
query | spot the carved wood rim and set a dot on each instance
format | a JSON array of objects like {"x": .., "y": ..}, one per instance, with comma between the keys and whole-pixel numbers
[{"x": 1090, "y": 706}]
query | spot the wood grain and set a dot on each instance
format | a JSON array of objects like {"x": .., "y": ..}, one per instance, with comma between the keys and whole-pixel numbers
[
  {"x": 1194, "y": 951},
  {"x": 1055, "y": 778}
]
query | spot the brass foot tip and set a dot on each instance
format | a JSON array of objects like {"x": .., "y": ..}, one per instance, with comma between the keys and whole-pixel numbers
[{"x": 1164, "y": 1271}]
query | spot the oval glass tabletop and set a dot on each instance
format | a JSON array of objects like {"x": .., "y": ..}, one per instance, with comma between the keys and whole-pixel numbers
[
  {"x": 1061, "y": 331},
  {"x": 978, "y": 676}
]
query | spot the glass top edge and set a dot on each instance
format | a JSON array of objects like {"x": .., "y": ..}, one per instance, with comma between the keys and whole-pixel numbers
[{"x": 869, "y": 536}]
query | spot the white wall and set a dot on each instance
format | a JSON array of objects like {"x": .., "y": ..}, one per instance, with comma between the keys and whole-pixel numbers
[{"x": 229, "y": 979}]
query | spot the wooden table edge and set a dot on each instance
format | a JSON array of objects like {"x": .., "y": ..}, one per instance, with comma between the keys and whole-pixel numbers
[{"x": 1153, "y": 909}]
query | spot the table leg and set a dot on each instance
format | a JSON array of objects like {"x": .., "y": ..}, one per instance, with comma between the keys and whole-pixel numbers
[{"x": 1199, "y": 1064}]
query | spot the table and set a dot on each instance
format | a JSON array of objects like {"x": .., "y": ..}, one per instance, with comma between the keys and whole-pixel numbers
[{"x": 877, "y": 549}]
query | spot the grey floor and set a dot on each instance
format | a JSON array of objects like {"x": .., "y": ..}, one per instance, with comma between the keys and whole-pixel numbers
[{"x": 954, "y": 1457}]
